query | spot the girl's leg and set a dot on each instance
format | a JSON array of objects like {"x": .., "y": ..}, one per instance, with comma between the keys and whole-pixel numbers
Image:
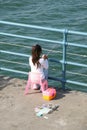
[
  {"x": 36, "y": 86},
  {"x": 46, "y": 73}
]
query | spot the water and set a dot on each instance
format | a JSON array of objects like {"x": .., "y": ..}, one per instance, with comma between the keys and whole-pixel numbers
[{"x": 70, "y": 14}]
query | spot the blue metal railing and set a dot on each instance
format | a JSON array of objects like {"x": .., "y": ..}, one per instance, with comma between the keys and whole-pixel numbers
[{"x": 64, "y": 44}]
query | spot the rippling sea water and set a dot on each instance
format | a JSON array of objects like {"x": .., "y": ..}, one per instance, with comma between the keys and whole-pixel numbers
[
  {"x": 70, "y": 14},
  {"x": 61, "y": 14}
]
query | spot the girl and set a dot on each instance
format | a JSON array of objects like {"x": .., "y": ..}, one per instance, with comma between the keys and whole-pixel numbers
[{"x": 38, "y": 64}]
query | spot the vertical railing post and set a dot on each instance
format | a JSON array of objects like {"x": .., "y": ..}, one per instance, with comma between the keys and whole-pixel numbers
[{"x": 64, "y": 58}]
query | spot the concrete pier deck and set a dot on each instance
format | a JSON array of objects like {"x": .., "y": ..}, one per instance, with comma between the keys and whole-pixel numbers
[{"x": 17, "y": 111}]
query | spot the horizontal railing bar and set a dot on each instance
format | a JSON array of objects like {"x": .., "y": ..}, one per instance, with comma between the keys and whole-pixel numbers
[
  {"x": 73, "y": 63},
  {"x": 31, "y": 38},
  {"x": 76, "y": 83},
  {"x": 19, "y": 45},
  {"x": 76, "y": 64},
  {"x": 77, "y": 45},
  {"x": 15, "y": 71},
  {"x": 55, "y": 51},
  {"x": 74, "y": 73},
  {"x": 43, "y": 28},
  {"x": 54, "y": 60},
  {"x": 14, "y": 53},
  {"x": 13, "y": 62},
  {"x": 77, "y": 32},
  {"x": 50, "y": 59},
  {"x": 32, "y": 26},
  {"x": 56, "y": 79},
  {"x": 41, "y": 39},
  {"x": 19, "y": 54},
  {"x": 26, "y": 73}
]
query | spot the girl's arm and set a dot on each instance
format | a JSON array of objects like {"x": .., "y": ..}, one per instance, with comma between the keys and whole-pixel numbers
[
  {"x": 44, "y": 62},
  {"x": 44, "y": 56}
]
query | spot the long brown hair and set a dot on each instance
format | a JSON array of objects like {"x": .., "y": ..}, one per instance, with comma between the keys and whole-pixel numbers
[{"x": 36, "y": 52}]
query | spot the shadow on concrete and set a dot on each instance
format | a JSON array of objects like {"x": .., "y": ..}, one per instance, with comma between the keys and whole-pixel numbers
[
  {"x": 4, "y": 81},
  {"x": 61, "y": 93}
]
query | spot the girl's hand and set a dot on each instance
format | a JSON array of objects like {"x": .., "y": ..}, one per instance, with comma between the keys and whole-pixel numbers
[{"x": 44, "y": 56}]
